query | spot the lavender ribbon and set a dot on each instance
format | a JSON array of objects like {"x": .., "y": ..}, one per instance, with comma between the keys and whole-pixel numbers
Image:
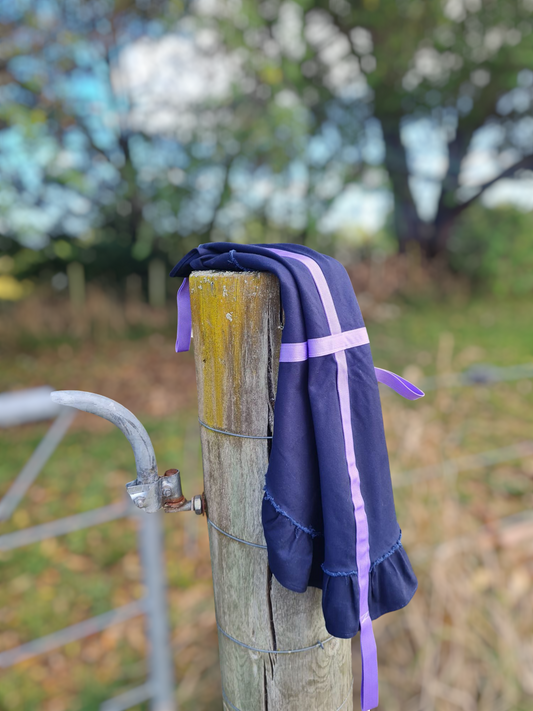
[
  {"x": 183, "y": 337},
  {"x": 400, "y": 385},
  {"x": 317, "y": 347}
]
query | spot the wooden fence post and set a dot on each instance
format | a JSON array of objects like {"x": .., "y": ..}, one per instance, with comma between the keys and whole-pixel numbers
[
  {"x": 76, "y": 284},
  {"x": 237, "y": 335},
  {"x": 157, "y": 283}
]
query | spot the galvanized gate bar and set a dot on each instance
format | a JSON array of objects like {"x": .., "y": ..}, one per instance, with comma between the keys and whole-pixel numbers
[
  {"x": 72, "y": 633},
  {"x": 520, "y": 450},
  {"x": 128, "y": 698},
  {"x": 19, "y": 407},
  {"x": 160, "y": 687},
  {"x": 35, "y": 463},
  {"x": 160, "y": 662},
  {"x": 61, "y": 526}
]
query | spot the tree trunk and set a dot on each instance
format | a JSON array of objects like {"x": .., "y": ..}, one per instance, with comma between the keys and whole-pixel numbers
[
  {"x": 448, "y": 209},
  {"x": 439, "y": 233},
  {"x": 407, "y": 224}
]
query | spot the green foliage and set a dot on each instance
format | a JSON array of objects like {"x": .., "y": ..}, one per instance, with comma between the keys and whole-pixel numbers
[
  {"x": 494, "y": 248},
  {"x": 359, "y": 72}
]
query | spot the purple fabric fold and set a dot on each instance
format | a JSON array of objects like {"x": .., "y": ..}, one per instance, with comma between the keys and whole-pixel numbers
[{"x": 183, "y": 337}]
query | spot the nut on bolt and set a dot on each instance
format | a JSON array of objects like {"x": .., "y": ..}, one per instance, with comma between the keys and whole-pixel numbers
[{"x": 198, "y": 504}]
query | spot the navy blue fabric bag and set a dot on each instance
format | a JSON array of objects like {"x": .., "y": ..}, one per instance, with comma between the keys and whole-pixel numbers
[{"x": 328, "y": 509}]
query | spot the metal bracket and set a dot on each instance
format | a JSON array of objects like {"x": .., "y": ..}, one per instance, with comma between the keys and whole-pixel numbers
[
  {"x": 148, "y": 491},
  {"x": 145, "y": 496},
  {"x": 165, "y": 493}
]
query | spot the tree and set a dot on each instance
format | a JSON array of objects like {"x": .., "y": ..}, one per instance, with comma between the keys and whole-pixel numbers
[
  {"x": 379, "y": 66},
  {"x": 308, "y": 98},
  {"x": 73, "y": 164}
]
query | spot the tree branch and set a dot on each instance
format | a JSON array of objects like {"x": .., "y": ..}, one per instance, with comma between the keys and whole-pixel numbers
[
  {"x": 524, "y": 163},
  {"x": 222, "y": 197}
]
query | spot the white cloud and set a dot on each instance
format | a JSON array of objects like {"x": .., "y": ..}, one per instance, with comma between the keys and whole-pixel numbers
[
  {"x": 164, "y": 80},
  {"x": 518, "y": 193},
  {"x": 358, "y": 207}
]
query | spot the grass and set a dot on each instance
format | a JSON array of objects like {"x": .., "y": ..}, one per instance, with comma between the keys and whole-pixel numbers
[{"x": 465, "y": 640}]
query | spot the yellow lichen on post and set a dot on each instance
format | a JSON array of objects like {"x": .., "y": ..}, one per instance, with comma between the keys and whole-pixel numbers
[
  {"x": 230, "y": 316},
  {"x": 237, "y": 335}
]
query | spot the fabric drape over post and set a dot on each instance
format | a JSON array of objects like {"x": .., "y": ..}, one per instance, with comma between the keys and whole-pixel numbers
[{"x": 328, "y": 509}]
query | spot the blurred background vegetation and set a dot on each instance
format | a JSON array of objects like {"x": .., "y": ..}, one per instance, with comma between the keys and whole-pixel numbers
[
  {"x": 396, "y": 135},
  {"x": 133, "y": 130}
]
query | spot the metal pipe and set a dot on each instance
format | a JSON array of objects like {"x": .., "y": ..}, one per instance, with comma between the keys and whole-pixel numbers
[
  {"x": 59, "y": 527},
  {"x": 449, "y": 467},
  {"x": 129, "y": 698},
  {"x": 71, "y": 634},
  {"x": 150, "y": 535},
  {"x": 125, "y": 420},
  {"x": 31, "y": 405},
  {"x": 35, "y": 463},
  {"x": 160, "y": 662}
]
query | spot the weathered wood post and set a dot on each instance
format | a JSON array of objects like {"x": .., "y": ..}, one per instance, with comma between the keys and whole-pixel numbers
[{"x": 237, "y": 335}]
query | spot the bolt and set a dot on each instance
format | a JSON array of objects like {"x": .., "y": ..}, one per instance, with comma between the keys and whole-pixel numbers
[
  {"x": 198, "y": 505},
  {"x": 167, "y": 491},
  {"x": 140, "y": 502}
]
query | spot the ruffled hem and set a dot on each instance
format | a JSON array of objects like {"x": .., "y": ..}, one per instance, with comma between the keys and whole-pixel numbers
[
  {"x": 294, "y": 554},
  {"x": 392, "y": 585},
  {"x": 294, "y": 550}
]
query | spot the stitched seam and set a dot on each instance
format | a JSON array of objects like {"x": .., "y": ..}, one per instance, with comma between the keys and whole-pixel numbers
[
  {"x": 233, "y": 260},
  {"x": 310, "y": 531},
  {"x": 390, "y": 552},
  {"x": 338, "y": 575}
]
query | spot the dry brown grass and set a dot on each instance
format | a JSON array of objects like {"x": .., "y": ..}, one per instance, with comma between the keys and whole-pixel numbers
[
  {"x": 46, "y": 315},
  {"x": 464, "y": 642}
]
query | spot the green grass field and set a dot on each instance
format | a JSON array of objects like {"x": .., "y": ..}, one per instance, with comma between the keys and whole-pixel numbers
[{"x": 465, "y": 640}]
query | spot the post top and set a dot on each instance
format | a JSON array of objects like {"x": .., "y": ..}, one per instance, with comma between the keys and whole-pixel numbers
[{"x": 218, "y": 274}]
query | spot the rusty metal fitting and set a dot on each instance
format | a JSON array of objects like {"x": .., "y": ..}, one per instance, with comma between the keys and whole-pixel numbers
[
  {"x": 172, "y": 498},
  {"x": 171, "y": 485}
]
